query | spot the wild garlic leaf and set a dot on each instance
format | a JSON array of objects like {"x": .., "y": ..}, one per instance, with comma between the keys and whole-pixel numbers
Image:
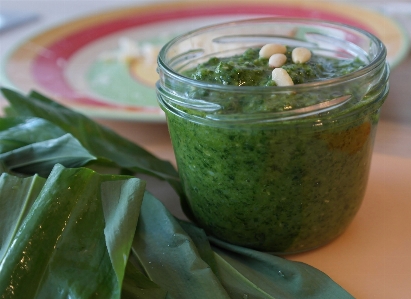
[
  {"x": 16, "y": 198},
  {"x": 138, "y": 286},
  {"x": 64, "y": 247},
  {"x": 16, "y": 132},
  {"x": 120, "y": 215},
  {"x": 108, "y": 146},
  {"x": 99, "y": 140},
  {"x": 170, "y": 258},
  {"x": 247, "y": 271},
  {"x": 40, "y": 157}
]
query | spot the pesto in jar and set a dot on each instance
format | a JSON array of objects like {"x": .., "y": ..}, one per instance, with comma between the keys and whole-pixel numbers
[{"x": 283, "y": 187}]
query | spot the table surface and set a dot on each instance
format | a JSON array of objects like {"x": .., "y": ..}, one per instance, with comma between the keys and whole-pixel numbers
[{"x": 372, "y": 259}]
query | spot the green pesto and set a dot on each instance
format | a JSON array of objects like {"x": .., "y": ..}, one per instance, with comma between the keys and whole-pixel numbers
[
  {"x": 248, "y": 69},
  {"x": 282, "y": 187}
]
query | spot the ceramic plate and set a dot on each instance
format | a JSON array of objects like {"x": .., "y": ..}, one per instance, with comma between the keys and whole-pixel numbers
[{"x": 104, "y": 65}]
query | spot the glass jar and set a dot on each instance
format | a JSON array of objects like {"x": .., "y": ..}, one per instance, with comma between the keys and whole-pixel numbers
[{"x": 281, "y": 169}]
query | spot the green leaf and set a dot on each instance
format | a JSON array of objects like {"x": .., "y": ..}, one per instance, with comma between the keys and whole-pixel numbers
[
  {"x": 237, "y": 285},
  {"x": 16, "y": 197},
  {"x": 262, "y": 275},
  {"x": 61, "y": 250},
  {"x": 137, "y": 286},
  {"x": 20, "y": 131},
  {"x": 120, "y": 213},
  {"x": 200, "y": 239},
  {"x": 170, "y": 258},
  {"x": 99, "y": 140},
  {"x": 40, "y": 157},
  {"x": 33, "y": 145}
]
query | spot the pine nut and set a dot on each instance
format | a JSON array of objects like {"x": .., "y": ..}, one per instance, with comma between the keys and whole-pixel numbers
[
  {"x": 281, "y": 77},
  {"x": 269, "y": 49},
  {"x": 277, "y": 60},
  {"x": 300, "y": 55}
]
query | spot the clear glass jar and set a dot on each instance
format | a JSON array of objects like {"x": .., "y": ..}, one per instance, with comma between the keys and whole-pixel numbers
[{"x": 278, "y": 169}]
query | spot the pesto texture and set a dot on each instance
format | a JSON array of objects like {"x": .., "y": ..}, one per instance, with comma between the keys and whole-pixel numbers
[
  {"x": 283, "y": 190},
  {"x": 283, "y": 187},
  {"x": 248, "y": 69}
]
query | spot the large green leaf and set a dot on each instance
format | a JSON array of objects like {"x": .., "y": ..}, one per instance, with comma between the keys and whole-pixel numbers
[
  {"x": 170, "y": 258},
  {"x": 262, "y": 275},
  {"x": 121, "y": 206},
  {"x": 40, "y": 157},
  {"x": 70, "y": 241},
  {"x": 33, "y": 145},
  {"x": 109, "y": 147},
  {"x": 99, "y": 140},
  {"x": 16, "y": 132},
  {"x": 16, "y": 197}
]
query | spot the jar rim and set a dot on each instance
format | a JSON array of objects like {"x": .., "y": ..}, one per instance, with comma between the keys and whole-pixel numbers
[{"x": 369, "y": 67}]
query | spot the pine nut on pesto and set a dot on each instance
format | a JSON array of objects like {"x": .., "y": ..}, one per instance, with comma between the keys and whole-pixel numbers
[{"x": 281, "y": 169}]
